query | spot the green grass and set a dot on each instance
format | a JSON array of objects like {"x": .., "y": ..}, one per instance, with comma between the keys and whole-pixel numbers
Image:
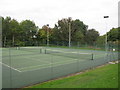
[{"x": 102, "y": 77}]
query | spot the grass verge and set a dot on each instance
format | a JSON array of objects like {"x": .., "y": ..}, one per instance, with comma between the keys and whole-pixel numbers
[{"x": 102, "y": 77}]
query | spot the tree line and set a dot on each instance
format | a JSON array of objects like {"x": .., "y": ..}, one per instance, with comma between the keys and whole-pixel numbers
[{"x": 27, "y": 33}]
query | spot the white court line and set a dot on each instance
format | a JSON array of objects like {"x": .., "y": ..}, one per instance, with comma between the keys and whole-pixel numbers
[
  {"x": 74, "y": 60},
  {"x": 10, "y": 67},
  {"x": 32, "y": 58}
]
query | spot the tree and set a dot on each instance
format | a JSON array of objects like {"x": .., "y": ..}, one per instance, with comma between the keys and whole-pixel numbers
[
  {"x": 79, "y": 30},
  {"x": 113, "y": 34},
  {"x": 101, "y": 41},
  {"x": 6, "y": 30},
  {"x": 91, "y": 36},
  {"x": 78, "y": 25},
  {"x": 42, "y": 34},
  {"x": 14, "y": 30},
  {"x": 28, "y": 31},
  {"x": 61, "y": 31},
  {"x": 113, "y": 37}
]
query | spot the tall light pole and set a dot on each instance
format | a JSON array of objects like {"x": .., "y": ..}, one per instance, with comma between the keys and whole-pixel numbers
[
  {"x": 69, "y": 25},
  {"x": 0, "y": 52},
  {"x": 106, "y": 43},
  {"x": 47, "y": 34}
]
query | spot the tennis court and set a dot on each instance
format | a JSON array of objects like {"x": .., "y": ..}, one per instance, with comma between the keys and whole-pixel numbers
[{"x": 30, "y": 65}]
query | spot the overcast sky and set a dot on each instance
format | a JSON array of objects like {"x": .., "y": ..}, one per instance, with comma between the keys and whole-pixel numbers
[{"x": 44, "y": 12}]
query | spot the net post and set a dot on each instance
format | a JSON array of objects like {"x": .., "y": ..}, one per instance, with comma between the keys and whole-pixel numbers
[
  {"x": 45, "y": 51},
  {"x": 40, "y": 50},
  {"x": 18, "y": 47},
  {"x": 92, "y": 57}
]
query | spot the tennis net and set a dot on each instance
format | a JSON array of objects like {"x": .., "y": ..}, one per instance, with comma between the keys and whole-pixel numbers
[
  {"x": 75, "y": 55},
  {"x": 31, "y": 49},
  {"x": 18, "y": 51}
]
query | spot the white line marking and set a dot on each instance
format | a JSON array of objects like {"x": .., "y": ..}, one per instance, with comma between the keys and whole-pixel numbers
[
  {"x": 32, "y": 58},
  {"x": 10, "y": 67},
  {"x": 48, "y": 65}
]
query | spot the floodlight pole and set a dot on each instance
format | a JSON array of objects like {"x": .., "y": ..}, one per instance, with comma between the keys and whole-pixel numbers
[
  {"x": 69, "y": 31},
  {"x": 106, "y": 36},
  {"x": 47, "y": 34}
]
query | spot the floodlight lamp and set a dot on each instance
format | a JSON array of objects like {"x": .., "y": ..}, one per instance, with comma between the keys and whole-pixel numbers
[
  {"x": 106, "y": 16},
  {"x": 34, "y": 36}
]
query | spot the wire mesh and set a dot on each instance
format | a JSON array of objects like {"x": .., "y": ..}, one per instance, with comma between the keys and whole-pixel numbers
[{"x": 24, "y": 70}]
